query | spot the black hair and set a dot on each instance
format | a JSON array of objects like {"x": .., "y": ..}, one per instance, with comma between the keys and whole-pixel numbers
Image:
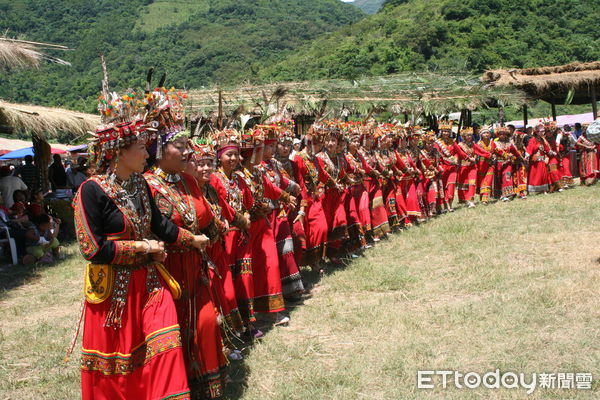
[
  {"x": 41, "y": 219},
  {"x": 19, "y": 192}
]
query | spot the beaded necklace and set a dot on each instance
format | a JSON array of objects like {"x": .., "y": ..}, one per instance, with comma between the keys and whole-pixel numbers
[{"x": 179, "y": 197}]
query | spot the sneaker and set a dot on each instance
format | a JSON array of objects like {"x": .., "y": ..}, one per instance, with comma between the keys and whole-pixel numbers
[
  {"x": 281, "y": 319},
  {"x": 471, "y": 205},
  {"x": 504, "y": 199}
]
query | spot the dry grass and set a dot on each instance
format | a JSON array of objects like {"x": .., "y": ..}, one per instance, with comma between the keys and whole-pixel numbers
[
  {"x": 510, "y": 286},
  {"x": 23, "y": 54},
  {"x": 46, "y": 121},
  {"x": 575, "y": 75}
]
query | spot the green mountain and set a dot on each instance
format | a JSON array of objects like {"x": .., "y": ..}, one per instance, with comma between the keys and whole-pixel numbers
[
  {"x": 197, "y": 42},
  {"x": 368, "y": 6},
  {"x": 451, "y": 34}
]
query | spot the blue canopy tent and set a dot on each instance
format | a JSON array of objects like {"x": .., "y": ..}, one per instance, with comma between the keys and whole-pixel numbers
[{"x": 27, "y": 151}]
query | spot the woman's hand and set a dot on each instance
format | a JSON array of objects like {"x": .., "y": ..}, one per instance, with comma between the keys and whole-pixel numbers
[
  {"x": 153, "y": 246},
  {"x": 160, "y": 257},
  {"x": 200, "y": 242},
  {"x": 292, "y": 202}
]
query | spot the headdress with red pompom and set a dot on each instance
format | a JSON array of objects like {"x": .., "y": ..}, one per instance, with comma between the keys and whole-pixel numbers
[{"x": 445, "y": 125}]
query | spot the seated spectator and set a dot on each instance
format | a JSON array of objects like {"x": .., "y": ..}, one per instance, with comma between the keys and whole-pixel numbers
[
  {"x": 78, "y": 174},
  {"x": 9, "y": 184},
  {"x": 36, "y": 204},
  {"x": 41, "y": 241},
  {"x": 19, "y": 206}
]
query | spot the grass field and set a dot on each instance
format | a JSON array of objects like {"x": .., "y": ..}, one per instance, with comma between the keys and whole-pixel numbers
[{"x": 510, "y": 286}]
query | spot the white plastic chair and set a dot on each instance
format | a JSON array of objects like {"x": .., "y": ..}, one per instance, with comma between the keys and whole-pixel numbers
[{"x": 11, "y": 244}]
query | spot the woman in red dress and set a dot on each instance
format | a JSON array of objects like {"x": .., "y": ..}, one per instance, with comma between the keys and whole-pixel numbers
[
  {"x": 506, "y": 154},
  {"x": 235, "y": 199},
  {"x": 588, "y": 162},
  {"x": 554, "y": 167},
  {"x": 325, "y": 143},
  {"x": 201, "y": 166},
  {"x": 467, "y": 174},
  {"x": 180, "y": 199},
  {"x": 268, "y": 293},
  {"x": 432, "y": 176},
  {"x": 291, "y": 281},
  {"x": 566, "y": 143},
  {"x": 449, "y": 150},
  {"x": 485, "y": 168},
  {"x": 311, "y": 225},
  {"x": 389, "y": 171},
  {"x": 520, "y": 168},
  {"x": 409, "y": 165},
  {"x": 358, "y": 192},
  {"x": 380, "y": 226},
  {"x": 538, "y": 149},
  {"x": 131, "y": 346}
]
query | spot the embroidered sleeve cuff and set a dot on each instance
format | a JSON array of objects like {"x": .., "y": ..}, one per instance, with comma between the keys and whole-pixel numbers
[
  {"x": 237, "y": 220},
  {"x": 125, "y": 253},
  {"x": 185, "y": 238}
]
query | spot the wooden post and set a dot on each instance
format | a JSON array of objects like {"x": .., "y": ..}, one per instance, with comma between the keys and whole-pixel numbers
[
  {"x": 525, "y": 116},
  {"x": 501, "y": 115},
  {"x": 469, "y": 118},
  {"x": 553, "y": 111},
  {"x": 594, "y": 103}
]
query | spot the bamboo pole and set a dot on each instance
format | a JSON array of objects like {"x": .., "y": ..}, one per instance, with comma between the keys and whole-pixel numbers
[{"x": 594, "y": 103}]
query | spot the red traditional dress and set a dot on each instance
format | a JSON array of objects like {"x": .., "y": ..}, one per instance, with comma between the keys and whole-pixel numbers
[
  {"x": 131, "y": 346},
  {"x": 566, "y": 156},
  {"x": 180, "y": 199},
  {"x": 554, "y": 167},
  {"x": 268, "y": 295},
  {"x": 449, "y": 152},
  {"x": 408, "y": 182},
  {"x": 359, "y": 197},
  {"x": 432, "y": 182},
  {"x": 506, "y": 154},
  {"x": 389, "y": 187},
  {"x": 379, "y": 220},
  {"x": 291, "y": 281},
  {"x": 467, "y": 174},
  {"x": 235, "y": 200},
  {"x": 537, "y": 179},
  {"x": 588, "y": 162},
  {"x": 314, "y": 229},
  {"x": 485, "y": 173},
  {"x": 333, "y": 205},
  {"x": 520, "y": 170},
  {"x": 222, "y": 274}
]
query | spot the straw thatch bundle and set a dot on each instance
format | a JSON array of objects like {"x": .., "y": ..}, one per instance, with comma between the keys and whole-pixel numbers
[
  {"x": 45, "y": 121},
  {"x": 24, "y": 54},
  {"x": 539, "y": 81}
]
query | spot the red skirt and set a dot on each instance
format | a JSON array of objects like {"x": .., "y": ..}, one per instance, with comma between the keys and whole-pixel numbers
[
  {"x": 485, "y": 180},
  {"x": 333, "y": 207},
  {"x": 409, "y": 190},
  {"x": 389, "y": 197},
  {"x": 239, "y": 260},
  {"x": 504, "y": 173},
  {"x": 143, "y": 359},
  {"x": 313, "y": 232},
  {"x": 379, "y": 220},
  {"x": 291, "y": 281},
  {"x": 520, "y": 179},
  {"x": 361, "y": 201},
  {"x": 197, "y": 316},
  {"x": 588, "y": 167},
  {"x": 268, "y": 296},
  {"x": 449, "y": 176},
  {"x": 467, "y": 182},
  {"x": 226, "y": 292},
  {"x": 537, "y": 179}
]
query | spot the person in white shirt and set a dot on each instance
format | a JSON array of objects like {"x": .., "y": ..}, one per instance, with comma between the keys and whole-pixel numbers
[{"x": 9, "y": 184}]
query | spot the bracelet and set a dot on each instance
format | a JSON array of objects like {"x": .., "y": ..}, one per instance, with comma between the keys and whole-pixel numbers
[
  {"x": 301, "y": 213},
  {"x": 149, "y": 246}
]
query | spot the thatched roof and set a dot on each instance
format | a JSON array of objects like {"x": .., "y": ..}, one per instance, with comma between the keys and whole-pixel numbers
[
  {"x": 44, "y": 121},
  {"x": 555, "y": 84},
  {"x": 413, "y": 93},
  {"x": 24, "y": 54}
]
